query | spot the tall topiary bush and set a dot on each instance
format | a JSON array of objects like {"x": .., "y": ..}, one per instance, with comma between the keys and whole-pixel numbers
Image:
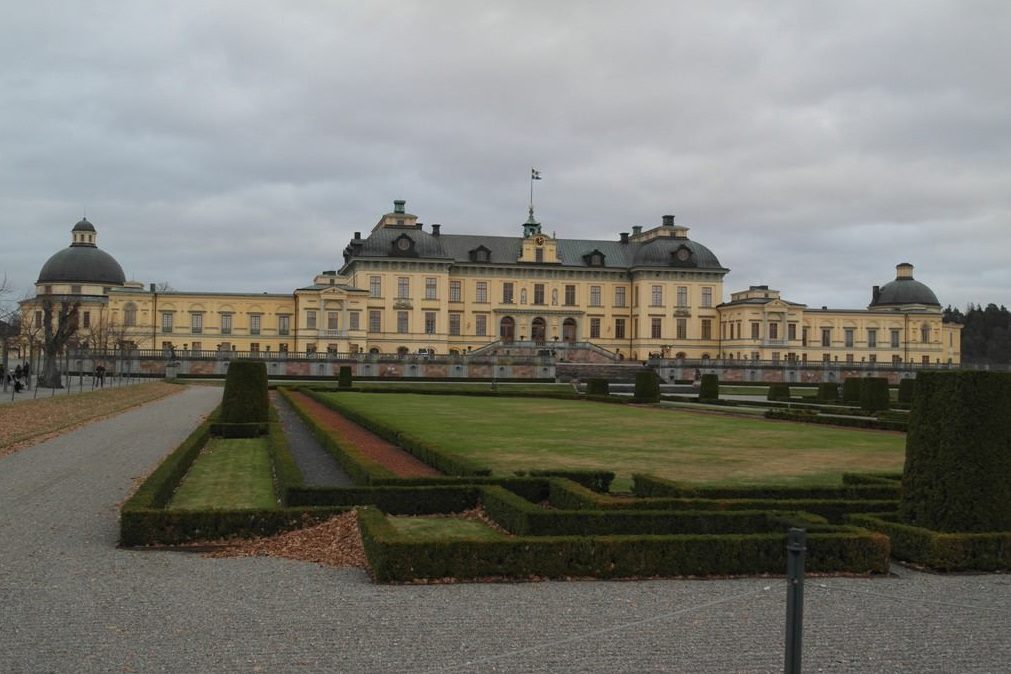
[
  {"x": 874, "y": 396},
  {"x": 958, "y": 453},
  {"x": 647, "y": 387},
  {"x": 851, "y": 390},
  {"x": 597, "y": 387},
  {"x": 344, "y": 377},
  {"x": 779, "y": 392},
  {"x": 245, "y": 398},
  {"x": 709, "y": 387},
  {"x": 906, "y": 388},
  {"x": 828, "y": 392}
]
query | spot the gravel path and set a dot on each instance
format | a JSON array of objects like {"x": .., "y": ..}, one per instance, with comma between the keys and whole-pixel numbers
[
  {"x": 319, "y": 469},
  {"x": 71, "y": 601}
]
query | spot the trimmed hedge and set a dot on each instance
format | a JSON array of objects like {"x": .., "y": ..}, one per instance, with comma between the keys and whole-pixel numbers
[
  {"x": 709, "y": 388},
  {"x": 779, "y": 392},
  {"x": 344, "y": 377},
  {"x": 874, "y": 394},
  {"x": 851, "y": 390},
  {"x": 941, "y": 551},
  {"x": 394, "y": 559},
  {"x": 245, "y": 397},
  {"x": 395, "y": 500},
  {"x": 597, "y": 480},
  {"x": 447, "y": 462},
  {"x": 648, "y": 485},
  {"x": 957, "y": 476},
  {"x": 871, "y": 478},
  {"x": 287, "y": 474},
  {"x": 828, "y": 391},
  {"x": 597, "y": 387},
  {"x": 647, "y": 387},
  {"x": 248, "y": 430},
  {"x": 907, "y": 387},
  {"x": 846, "y": 420},
  {"x": 156, "y": 491}
]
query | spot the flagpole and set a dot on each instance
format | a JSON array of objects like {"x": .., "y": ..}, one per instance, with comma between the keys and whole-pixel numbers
[{"x": 531, "y": 191}]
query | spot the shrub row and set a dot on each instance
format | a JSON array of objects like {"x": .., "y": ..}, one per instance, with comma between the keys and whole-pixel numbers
[
  {"x": 647, "y": 387},
  {"x": 449, "y": 463},
  {"x": 360, "y": 468},
  {"x": 396, "y": 500},
  {"x": 485, "y": 393},
  {"x": 156, "y": 491},
  {"x": 709, "y": 388},
  {"x": 871, "y": 478},
  {"x": 245, "y": 430},
  {"x": 648, "y": 485},
  {"x": 809, "y": 417},
  {"x": 287, "y": 474},
  {"x": 597, "y": 387},
  {"x": 942, "y": 551},
  {"x": 828, "y": 391},
  {"x": 597, "y": 480},
  {"x": 394, "y": 559},
  {"x": 778, "y": 392},
  {"x": 533, "y": 489}
]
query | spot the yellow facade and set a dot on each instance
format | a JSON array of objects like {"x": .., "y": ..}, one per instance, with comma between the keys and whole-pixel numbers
[{"x": 408, "y": 289}]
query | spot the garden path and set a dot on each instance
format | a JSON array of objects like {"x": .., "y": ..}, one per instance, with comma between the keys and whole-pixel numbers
[{"x": 319, "y": 469}]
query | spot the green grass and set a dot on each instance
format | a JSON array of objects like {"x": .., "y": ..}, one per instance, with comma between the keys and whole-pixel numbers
[
  {"x": 442, "y": 529},
  {"x": 511, "y": 434},
  {"x": 229, "y": 473}
]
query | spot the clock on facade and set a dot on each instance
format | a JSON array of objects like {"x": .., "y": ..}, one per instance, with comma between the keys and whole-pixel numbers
[
  {"x": 683, "y": 254},
  {"x": 539, "y": 240},
  {"x": 404, "y": 244}
]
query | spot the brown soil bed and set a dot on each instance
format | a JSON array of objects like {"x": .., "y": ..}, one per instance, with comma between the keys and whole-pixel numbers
[
  {"x": 336, "y": 542},
  {"x": 371, "y": 445}
]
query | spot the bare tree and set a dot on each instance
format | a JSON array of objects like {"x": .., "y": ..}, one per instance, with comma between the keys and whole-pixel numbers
[{"x": 59, "y": 324}]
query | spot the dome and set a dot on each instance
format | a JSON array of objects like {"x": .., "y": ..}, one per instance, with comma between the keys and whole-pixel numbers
[
  {"x": 384, "y": 241},
  {"x": 661, "y": 251},
  {"x": 903, "y": 290},
  {"x": 82, "y": 261}
]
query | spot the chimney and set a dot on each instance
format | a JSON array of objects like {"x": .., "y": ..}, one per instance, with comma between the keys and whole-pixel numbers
[
  {"x": 875, "y": 294},
  {"x": 435, "y": 229},
  {"x": 636, "y": 230},
  {"x": 358, "y": 235},
  {"x": 398, "y": 205},
  {"x": 624, "y": 237},
  {"x": 668, "y": 221},
  {"x": 152, "y": 287},
  {"x": 903, "y": 270}
]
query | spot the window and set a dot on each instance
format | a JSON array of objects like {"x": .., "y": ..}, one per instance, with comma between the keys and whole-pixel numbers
[
  {"x": 895, "y": 338},
  {"x": 196, "y": 323},
  {"x": 682, "y": 296},
  {"x": 539, "y": 255},
  {"x": 226, "y": 323},
  {"x": 872, "y": 338},
  {"x": 481, "y": 325},
  {"x": 429, "y": 322},
  {"x": 826, "y": 358},
  {"x": 803, "y": 336},
  {"x": 375, "y": 286},
  {"x": 594, "y": 328},
  {"x": 129, "y": 315},
  {"x": 755, "y": 327},
  {"x": 481, "y": 292},
  {"x": 925, "y": 334},
  {"x": 925, "y": 360},
  {"x": 310, "y": 348},
  {"x": 431, "y": 288},
  {"x": 86, "y": 319},
  {"x": 310, "y": 320},
  {"x": 707, "y": 328},
  {"x": 707, "y": 297},
  {"x": 254, "y": 347},
  {"x": 775, "y": 356},
  {"x": 791, "y": 331},
  {"x": 454, "y": 324},
  {"x": 619, "y": 328},
  {"x": 848, "y": 336},
  {"x": 254, "y": 324},
  {"x": 896, "y": 360},
  {"x": 402, "y": 322},
  {"x": 619, "y": 296},
  {"x": 375, "y": 321},
  {"x": 282, "y": 347},
  {"x": 873, "y": 358},
  {"x": 656, "y": 327},
  {"x": 849, "y": 357},
  {"x": 354, "y": 320},
  {"x": 332, "y": 320},
  {"x": 166, "y": 322},
  {"x": 826, "y": 336},
  {"x": 538, "y": 293},
  {"x": 773, "y": 330},
  {"x": 403, "y": 288},
  {"x": 656, "y": 296},
  {"x": 454, "y": 291},
  {"x": 570, "y": 295},
  {"x": 507, "y": 293},
  {"x": 197, "y": 346},
  {"x": 284, "y": 325},
  {"x": 682, "y": 328}
]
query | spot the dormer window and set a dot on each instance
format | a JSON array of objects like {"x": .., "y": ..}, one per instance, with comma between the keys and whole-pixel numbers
[
  {"x": 403, "y": 246},
  {"x": 683, "y": 256},
  {"x": 594, "y": 259},
  {"x": 480, "y": 254}
]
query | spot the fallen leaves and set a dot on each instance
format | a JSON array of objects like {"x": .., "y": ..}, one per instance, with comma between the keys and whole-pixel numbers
[{"x": 335, "y": 542}]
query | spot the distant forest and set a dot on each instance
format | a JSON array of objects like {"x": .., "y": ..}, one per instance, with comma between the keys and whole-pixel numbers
[{"x": 986, "y": 337}]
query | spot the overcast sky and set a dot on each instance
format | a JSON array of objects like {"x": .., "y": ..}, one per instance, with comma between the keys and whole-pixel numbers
[{"x": 238, "y": 145}]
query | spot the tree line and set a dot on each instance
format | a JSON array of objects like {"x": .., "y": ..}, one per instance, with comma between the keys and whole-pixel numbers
[{"x": 986, "y": 333}]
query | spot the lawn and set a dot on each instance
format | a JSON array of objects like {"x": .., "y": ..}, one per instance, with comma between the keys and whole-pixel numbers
[
  {"x": 512, "y": 434},
  {"x": 229, "y": 473},
  {"x": 442, "y": 529}
]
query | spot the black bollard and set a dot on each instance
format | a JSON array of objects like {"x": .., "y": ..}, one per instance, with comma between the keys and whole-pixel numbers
[{"x": 796, "y": 546}]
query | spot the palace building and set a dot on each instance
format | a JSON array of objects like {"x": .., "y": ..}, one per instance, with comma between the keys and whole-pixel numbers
[{"x": 404, "y": 288}]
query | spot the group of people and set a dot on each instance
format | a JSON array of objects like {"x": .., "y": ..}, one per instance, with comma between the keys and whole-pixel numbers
[{"x": 18, "y": 377}]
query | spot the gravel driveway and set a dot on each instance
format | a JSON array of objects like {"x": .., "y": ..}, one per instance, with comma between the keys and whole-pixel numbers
[{"x": 71, "y": 601}]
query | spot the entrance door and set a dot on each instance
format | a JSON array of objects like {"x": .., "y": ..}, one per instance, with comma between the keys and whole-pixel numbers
[
  {"x": 507, "y": 329},
  {"x": 538, "y": 330},
  {"x": 569, "y": 330}
]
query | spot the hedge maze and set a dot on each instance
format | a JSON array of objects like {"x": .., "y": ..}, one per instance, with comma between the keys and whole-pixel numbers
[{"x": 563, "y": 524}]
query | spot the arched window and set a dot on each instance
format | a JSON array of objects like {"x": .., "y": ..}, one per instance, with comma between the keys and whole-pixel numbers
[
  {"x": 538, "y": 330},
  {"x": 507, "y": 329},
  {"x": 130, "y": 315},
  {"x": 402, "y": 350},
  {"x": 569, "y": 330}
]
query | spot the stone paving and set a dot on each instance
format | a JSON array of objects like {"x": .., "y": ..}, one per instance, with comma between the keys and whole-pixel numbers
[{"x": 71, "y": 601}]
